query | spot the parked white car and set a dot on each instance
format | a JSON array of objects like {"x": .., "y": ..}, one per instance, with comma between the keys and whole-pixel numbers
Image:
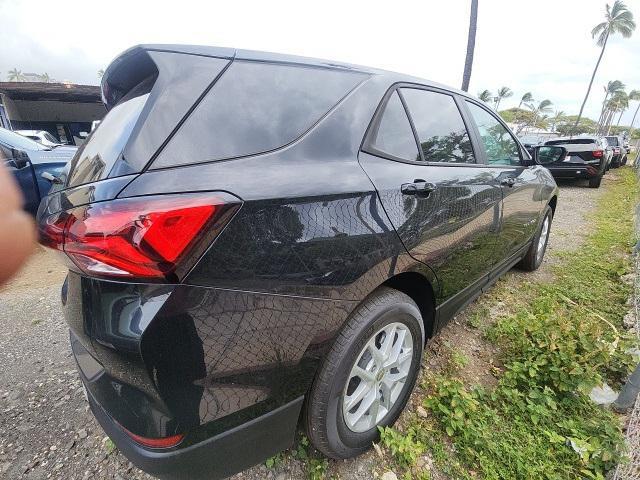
[{"x": 40, "y": 136}]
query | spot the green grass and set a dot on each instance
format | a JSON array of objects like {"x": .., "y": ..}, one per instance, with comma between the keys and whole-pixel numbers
[{"x": 562, "y": 338}]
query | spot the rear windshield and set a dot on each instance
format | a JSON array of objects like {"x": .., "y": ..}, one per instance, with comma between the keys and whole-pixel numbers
[
  {"x": 256, "y": 107},
  {"x": 97, "y": 155},
  {"x": 573, "y": 141},
  {"x": 613, "y": 141}
]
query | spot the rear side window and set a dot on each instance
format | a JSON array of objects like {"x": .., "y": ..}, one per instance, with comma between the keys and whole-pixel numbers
[
  {"x": 500, "y": 146},
  {"x": 438, "y": 122},
  {"x": 393, "y": 135},
  {"x": 256, "y": 107}
]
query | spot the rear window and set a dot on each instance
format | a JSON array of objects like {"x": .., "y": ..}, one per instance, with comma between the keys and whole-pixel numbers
[
  {"x": 613, "y": 141},
  {"x": 256, "y": 107},
  {"x": 97, "y": 155},
  {"x": 572, "y": 141}
]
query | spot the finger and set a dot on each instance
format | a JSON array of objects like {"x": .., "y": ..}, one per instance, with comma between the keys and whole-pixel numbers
[
  {"x": 17, "y": 240},
  {"x": 10, "y": 195}
]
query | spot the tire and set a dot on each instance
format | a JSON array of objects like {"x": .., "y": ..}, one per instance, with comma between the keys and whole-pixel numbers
[
  {"x": 615, "y": 163},
  {"x": 624, "y": 160},
  {"x": 595, "y": 182},
  {"x": 532, "y": 260},
  {"x": 330, "y": 425}
]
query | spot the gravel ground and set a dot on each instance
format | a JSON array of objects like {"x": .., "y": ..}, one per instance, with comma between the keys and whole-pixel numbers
[{"x": 47, "y": 430}]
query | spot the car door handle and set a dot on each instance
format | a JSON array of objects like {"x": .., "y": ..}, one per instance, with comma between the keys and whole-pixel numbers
[
  {"x": 418, "y": 187},
  {"x": 508, "y": 182}
]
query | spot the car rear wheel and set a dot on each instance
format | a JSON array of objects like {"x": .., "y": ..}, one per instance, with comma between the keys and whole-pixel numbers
[
  {"x": 533, "y": 259},
  {"x": 595, "y": 182},
  {"x": 367, "y": 376}
]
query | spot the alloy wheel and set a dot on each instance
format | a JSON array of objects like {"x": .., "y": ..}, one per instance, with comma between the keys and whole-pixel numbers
[{"x": 378, "y": 377}]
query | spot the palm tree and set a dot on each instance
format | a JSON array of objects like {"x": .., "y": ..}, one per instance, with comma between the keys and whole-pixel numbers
[
  {"x": 471, "y": 45},
  {"x": 611, "y": 89},
  {"x": 16, "y": 75},
  {"x": 557, "y": 116},
  {"x": 45, "y": 78},
  {"x": 617, "y": 103},
  {"x": 485, "y": 96},
  {"x": 542, "y": 108},
  {"x": 526, "y": 98},
  {"x": 504, "y": 92},
  {"x": 634, "y": 96},
  {"x": 618, "y": 19}
]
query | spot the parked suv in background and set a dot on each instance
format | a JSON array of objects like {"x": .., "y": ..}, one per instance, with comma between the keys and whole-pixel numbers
[
  {"x": 587, "y": 157},
  {"x": 248, "y": 233},
  {"x": 619, "y": 152}
]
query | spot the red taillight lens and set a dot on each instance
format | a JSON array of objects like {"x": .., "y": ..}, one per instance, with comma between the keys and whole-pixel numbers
[
  {"x": 141, "y": 237},
  {"x": 598, "y": 153},
  {"x": 164, "y": 442}
]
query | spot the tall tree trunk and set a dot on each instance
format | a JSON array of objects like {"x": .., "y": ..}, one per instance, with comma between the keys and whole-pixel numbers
[
  {"x": 471, "y": 45},
  {"x": 593, "y": 76},
  {"x": 620, "y": 118},
  {"x": 610, "y": 120},
  {"x": 604, "y": 108},
  {"x": 634, "y": 118}
]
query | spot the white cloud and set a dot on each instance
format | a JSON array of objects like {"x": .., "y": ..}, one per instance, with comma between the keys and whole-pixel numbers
[{"x": 543, "y": 46}]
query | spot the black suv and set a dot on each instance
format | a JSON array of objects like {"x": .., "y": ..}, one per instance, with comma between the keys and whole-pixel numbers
[
  {"x": 248, "y": 233},
  {"x": 587, "y": 157}
]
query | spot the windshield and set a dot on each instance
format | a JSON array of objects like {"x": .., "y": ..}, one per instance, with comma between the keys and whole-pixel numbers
[
  {"x": 613, "y": 141},
  {"x": 17, "y": 141}
]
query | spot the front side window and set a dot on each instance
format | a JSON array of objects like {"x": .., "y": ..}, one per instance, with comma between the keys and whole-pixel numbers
[
  {"x": 439, "y": 125},
  {"x": 393, "y": 135},
  {"x": 500, "y": 146}
]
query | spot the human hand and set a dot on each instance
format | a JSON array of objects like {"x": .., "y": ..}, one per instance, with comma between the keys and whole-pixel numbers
[{"x": 17, "y": 232}]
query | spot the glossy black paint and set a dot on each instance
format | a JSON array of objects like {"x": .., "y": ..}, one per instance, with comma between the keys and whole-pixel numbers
[{"x": 322, "y": 225}]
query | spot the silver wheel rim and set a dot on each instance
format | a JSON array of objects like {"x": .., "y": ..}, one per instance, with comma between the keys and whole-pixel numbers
[
  {"x": 542, "y": 241},
  {"x": 378, "y": 377}
]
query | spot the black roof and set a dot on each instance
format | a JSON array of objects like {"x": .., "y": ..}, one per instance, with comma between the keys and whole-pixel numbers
[{"x": 232, "y": 53}]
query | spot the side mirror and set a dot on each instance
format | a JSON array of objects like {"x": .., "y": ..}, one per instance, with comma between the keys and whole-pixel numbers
[
  {"x": 546, "y": 154},
  {"x": 20, "y": 158}
]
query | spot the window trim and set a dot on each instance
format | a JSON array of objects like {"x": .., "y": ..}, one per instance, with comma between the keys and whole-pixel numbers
[
  {"x": 478, "y": 137},
  {"x": 367, "y": 147}
]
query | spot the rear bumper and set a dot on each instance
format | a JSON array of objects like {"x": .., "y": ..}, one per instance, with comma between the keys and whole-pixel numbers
[
  {"x": 217, "y": 457},
  {"x": 576, "y": 171}
]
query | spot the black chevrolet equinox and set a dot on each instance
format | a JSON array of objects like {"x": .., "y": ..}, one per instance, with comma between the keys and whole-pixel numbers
[{"x": 256, "y": 241}]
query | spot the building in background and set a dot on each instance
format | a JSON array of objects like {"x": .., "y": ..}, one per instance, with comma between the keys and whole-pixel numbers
[{"x": 65, "y": 110}]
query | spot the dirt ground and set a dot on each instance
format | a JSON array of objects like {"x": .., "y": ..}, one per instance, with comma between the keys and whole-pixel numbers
[{"x": 47, "y": 430}]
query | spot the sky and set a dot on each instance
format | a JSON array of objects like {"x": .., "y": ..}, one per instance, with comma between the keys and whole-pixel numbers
[{"x": 541, "y": 46}]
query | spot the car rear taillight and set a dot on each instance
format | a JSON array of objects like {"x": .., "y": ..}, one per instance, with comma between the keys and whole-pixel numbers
[
  {"x": 163, "y": 442},
  {"x": 140, "y": 237},
  {"x": 598, "y": 153}
]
